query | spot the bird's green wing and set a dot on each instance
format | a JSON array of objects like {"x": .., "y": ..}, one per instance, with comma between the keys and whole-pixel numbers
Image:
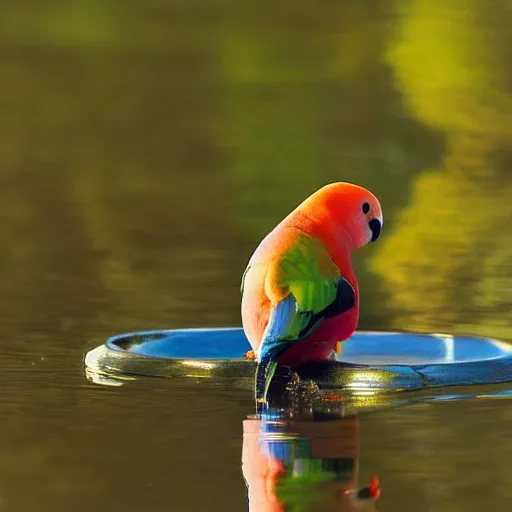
[
  {"x": 309, "y": 273},
  {"x": 312, "y": 288}
]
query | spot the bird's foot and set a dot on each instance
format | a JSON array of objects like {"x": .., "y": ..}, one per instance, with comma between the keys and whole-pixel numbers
[
  {"x": 250, "y": 355},
  {"x": 283, "y": 390}
]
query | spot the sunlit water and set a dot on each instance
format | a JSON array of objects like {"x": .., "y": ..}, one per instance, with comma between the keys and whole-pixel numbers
[{"x": 146, "y": 148}]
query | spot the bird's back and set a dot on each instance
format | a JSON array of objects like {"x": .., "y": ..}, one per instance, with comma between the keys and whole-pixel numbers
[{"x": 256, "y": 302}]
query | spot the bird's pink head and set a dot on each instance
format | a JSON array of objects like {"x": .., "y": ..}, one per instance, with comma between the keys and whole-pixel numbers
[{"x": 353, "y": 211}]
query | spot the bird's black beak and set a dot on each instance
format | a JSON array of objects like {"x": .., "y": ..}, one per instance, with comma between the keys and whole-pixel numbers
[{"x": 375, "y": 225}]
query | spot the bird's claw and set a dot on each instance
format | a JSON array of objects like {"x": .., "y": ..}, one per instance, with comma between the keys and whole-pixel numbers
[{"x": 250, "y": 355}]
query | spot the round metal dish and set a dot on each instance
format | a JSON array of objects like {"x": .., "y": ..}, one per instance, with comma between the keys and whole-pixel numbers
[{"x": 384, "y": 361}]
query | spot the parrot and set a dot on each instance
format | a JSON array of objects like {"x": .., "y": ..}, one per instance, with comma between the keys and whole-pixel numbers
[{"x": 300, "y": 296}]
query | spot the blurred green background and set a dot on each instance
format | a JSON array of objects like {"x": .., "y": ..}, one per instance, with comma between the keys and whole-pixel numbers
[{"x": 146, "y": 148}]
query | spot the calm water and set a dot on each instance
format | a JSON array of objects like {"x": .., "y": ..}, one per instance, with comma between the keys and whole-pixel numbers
[{"x": 145, "y": 149}]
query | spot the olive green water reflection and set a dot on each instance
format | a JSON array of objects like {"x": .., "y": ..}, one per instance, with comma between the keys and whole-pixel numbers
[{"x": 146, "y": 147}]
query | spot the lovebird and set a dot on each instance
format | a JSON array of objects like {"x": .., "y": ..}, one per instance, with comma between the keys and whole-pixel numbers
[{"x": 300, "y": 296}]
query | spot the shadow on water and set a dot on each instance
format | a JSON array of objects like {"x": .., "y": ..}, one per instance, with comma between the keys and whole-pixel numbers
[
  {"x": 310, "y": 461},
  {"x": 303, "y": 465},
  {"x": 303, "y": 453}
]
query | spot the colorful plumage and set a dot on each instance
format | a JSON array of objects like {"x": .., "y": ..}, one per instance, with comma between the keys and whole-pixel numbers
[{"x": 300, "y": 296}]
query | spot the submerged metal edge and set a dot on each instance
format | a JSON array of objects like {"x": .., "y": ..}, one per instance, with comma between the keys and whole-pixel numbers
[{"x": 110, "y": 360}]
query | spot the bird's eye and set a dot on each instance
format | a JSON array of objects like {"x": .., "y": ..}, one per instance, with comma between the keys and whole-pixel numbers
[{"x": 366, "y": 208}]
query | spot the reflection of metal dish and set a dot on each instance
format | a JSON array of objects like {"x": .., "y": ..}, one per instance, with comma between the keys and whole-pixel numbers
[{"x": 370, "y": 361}]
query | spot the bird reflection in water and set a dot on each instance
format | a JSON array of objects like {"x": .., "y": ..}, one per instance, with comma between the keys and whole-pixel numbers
[{"x": 301, "y": 454}]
